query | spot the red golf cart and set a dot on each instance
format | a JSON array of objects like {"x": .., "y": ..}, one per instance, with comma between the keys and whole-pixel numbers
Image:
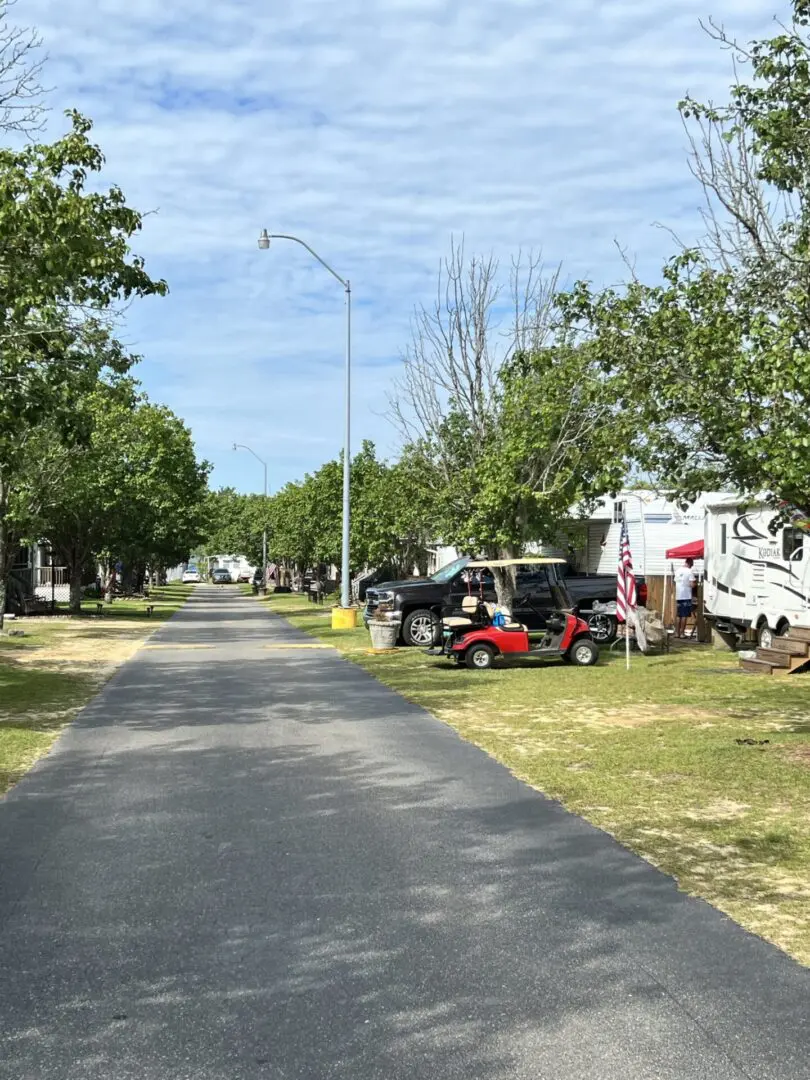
[{"x": 478, "y": 636}]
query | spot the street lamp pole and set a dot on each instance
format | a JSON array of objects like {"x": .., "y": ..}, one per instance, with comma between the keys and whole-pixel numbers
[
  {"x": 264, "y": 244},
  {"x": 241, "y": 446}
]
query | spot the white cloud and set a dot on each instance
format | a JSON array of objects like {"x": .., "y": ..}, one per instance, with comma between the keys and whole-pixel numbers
[{"x": 373, "y": 130}]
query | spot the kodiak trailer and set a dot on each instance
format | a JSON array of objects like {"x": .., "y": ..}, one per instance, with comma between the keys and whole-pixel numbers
[{"x": 755, "y": 578}]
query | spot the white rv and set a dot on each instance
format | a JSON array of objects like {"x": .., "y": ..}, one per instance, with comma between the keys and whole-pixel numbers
[{"x": 755, "y": 578}]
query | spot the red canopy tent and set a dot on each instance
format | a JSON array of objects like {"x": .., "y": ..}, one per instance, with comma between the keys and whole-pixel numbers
[{"x": 692, "y": 550}]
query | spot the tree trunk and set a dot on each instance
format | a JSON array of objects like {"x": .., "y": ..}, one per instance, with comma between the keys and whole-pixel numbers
[
  {"x": 8, "y": 549},
  {"x": 76, "y": 588},
  {"x": 5, "y": 552},
  {"x": 505, "y": 586},
  {"x": 109, "y": 579},
  {"x": 75, "y": 563},
  {"x": 505, "y": 578}
]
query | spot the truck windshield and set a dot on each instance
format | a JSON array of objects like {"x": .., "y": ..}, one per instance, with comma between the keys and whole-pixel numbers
[{"x": 441, "y": 577}]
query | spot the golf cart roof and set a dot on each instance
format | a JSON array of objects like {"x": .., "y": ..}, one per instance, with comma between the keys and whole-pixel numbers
[{"x": 528, "y": 561}]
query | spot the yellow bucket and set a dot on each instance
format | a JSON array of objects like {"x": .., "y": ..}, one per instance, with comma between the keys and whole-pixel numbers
[{"x": 344, "y": 618}]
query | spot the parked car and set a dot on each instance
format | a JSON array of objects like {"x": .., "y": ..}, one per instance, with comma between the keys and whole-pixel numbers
[
  {"x": 191, "y": 576},
  {"x": 417, "y": 604},
  {"x": 245, "y": 575},
  {"x": 221, "y": 576}
]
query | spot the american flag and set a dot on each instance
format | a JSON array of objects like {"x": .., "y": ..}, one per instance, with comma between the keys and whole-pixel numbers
[{"x": 626, "y": 579}]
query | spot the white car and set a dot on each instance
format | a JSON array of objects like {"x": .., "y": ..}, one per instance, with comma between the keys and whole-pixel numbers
[{"x": 191, "y": 577}]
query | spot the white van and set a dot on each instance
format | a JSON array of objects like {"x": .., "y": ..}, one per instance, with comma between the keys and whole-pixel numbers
[{"x": 755, "y": 578}]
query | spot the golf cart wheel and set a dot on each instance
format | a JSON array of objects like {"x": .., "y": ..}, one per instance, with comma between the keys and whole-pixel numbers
[
  {"x": 479, "y": 658},
  {"x": 419, "y": 628},
  {"x": 603, "y": 628},
  {"x": 584, "y": 653}
]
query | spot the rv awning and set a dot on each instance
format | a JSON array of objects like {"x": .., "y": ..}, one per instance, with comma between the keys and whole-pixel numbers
[{"x": 692, "y": 550}]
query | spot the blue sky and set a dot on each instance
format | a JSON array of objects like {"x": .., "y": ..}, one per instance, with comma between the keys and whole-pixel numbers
[{"x": 373, "y": 129}]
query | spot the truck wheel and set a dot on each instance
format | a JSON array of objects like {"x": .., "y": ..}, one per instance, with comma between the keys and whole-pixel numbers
[
  {"x": 603, "y": 628},
  {"x": 419, "y": 628},
  {"x": 479, "y": 658},
  {"x": 584, "y": 653}
]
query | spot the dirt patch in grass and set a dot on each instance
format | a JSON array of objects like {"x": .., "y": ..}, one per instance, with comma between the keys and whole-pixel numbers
[
  {"x": 91, "y": 646},
  {"x": 800, "y": 755}
]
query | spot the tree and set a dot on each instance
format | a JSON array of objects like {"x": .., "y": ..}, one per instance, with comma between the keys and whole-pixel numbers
[
  {"x": 291, "y": 528},
  {"x": 64, "y": 261},
  {"x": 516, "y": 423},
  {"x": 395, "y": 512},
  {"x": 51, "y": 375},
  {"x": 134, "y": 491},
  {"x": 715, "y": 361}
]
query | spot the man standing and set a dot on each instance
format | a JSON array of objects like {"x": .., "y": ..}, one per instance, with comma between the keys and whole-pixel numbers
[{"x": 685, "y": 581}]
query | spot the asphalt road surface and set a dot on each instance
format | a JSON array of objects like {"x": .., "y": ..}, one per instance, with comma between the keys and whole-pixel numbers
[{"x": 253, "y": 862}]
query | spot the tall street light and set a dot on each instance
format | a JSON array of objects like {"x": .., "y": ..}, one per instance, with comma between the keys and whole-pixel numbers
[
  {"x": 264, "y": 244},
  {"x": 240, "y": 446}
]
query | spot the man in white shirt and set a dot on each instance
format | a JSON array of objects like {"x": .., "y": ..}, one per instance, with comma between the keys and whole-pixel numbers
[{"x": 685, "y": 581}]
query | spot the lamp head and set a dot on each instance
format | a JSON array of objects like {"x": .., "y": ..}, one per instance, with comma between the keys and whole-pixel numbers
[{"x": 264, "y": 240}]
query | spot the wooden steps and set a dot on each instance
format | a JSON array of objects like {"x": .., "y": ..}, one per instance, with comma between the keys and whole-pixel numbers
[
  {"x": 788, "y": 655},
  {"x": 774, "y": 657},
  {"x": 757, "y": 667}
]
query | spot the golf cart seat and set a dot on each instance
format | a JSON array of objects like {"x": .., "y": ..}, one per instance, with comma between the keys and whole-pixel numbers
[
  {"x": 469, "y": 605},
  {"x": 511, "y": 625}
]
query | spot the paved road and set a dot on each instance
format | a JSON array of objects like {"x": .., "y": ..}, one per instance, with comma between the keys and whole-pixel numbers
[{"x": 246, "y": 862}]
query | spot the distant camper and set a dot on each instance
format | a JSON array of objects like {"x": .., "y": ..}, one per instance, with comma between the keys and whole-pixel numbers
[{"x": 755, "y": 578}]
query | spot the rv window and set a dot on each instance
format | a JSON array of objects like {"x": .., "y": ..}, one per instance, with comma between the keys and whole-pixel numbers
[
  {"x": 618, "y": 513},
  {"x": 723, "y": 536},
  {"x": 792, "y": 545}
]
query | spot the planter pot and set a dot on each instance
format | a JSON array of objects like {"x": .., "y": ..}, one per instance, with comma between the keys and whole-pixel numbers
[{"x": 383, "y": 634}]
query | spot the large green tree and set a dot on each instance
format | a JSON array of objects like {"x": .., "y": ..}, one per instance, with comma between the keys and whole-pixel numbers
[
  {"x": 515, "y": 423},
  {"x": 64, "y": 262},
  {"x": 133, "y": 491},
  {"x": 714, "y": 361}
]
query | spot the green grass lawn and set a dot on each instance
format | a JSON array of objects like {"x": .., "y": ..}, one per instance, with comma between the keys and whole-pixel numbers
[
  {"x": 652, "y": 756},
  {"x": 50, "y": 673},
  {"x": 166, "y": 600}
]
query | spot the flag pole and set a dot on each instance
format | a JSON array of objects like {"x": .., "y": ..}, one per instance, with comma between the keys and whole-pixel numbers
[
  {"x": 627, "y": 639},
  {"x": 626, "y": 532}
]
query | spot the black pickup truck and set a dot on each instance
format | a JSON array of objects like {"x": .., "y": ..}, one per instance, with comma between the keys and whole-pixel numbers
[
  {"x": 599, "y": 589},
  {"x": 416, "y": 604}
]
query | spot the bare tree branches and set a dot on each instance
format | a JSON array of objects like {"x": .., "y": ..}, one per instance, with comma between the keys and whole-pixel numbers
[
  {"x": 460, "y": 343},
  {"x": 21, "y": 61},
  {"x": 749, "y": 221}
]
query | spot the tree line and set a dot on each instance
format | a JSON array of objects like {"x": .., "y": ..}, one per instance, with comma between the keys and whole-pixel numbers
[
  {"x": 87, "y": 463},
  {"x": 520, "y": 398}
]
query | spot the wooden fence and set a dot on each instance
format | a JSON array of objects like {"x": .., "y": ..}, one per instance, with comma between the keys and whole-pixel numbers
[{"x": 655, "y": 601}]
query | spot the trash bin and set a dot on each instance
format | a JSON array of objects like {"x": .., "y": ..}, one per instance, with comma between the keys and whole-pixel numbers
[{"x": 383, "y": 634}]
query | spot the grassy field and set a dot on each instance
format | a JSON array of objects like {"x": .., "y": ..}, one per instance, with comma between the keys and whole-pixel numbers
[
  {"x": 47, "y": 675},
  {"x": 700, "y": 769}
]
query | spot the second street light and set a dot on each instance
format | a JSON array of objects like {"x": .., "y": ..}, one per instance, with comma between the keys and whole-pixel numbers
[
  {"x": 344, "y": 616},
  {"x": 240, "y": 446}
]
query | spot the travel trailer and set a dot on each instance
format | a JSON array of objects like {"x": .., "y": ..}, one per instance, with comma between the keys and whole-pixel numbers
[{"x": 756, "y": 578}]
